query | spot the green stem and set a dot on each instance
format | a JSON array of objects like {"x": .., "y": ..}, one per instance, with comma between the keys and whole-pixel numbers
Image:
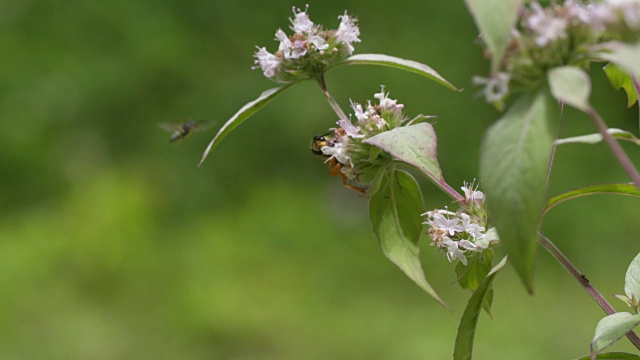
[
  {"x": 332, "y": 102},
  {"x": 636, "y": 86},
  {"x": 616, "y": 149},
  {"x": 451, "y": 192},
  {"x": 584, "y": 282}
]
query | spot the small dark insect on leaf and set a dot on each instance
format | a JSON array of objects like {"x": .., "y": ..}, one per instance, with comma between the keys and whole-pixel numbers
[{"x": 182, "y": 130}]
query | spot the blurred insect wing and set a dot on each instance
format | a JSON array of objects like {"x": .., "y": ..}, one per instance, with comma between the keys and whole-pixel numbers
[
  {"x": 201, "y": 125},
  {"x": 182, "y": 130}
]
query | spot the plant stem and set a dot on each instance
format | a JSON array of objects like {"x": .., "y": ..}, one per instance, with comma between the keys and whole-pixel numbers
[
  {"x": 451, "y": 192},
  {"x": 622, "y": 157},
  {"x": 584, "y": 282},
  {"x": 636, "y": 86},
  {"x": 334, "y": 105}
]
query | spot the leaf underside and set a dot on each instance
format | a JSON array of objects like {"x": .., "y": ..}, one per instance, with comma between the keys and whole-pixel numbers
[
  {"x": 514, "y": 158},
  {"x": 600, "y": 189},
  {"x": 398, "y": 63},
  {"x": 394, "y": 210},
  {"x": 243, "y": 114}
]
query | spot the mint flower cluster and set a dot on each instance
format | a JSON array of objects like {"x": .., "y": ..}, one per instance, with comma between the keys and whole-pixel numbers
[
  {"x": 462, "y": 233},
  {"x": 310, "y": 49},
  {"x": 555, "y": 36},
  {"x": 359, "y": 161}
]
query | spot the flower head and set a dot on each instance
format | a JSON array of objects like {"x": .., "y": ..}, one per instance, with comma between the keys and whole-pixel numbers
[
  {"x": 310, "y": 49},
  {"x": 562, "y": 33},
  {"x": 462, "y": 233},
  {"x": 357, "y": 160}
]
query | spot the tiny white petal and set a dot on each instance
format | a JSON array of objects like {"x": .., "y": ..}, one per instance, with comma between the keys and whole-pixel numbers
[
  {"x": 350, "y": 129},
  {"x": 348, "y": 31},
  {"x": 285, "y": 43},
  {"x": 301, "y": 23}
]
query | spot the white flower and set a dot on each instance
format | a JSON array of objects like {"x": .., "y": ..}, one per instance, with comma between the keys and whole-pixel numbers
[
  {"x": 378, "y": 121},
  {"x": 348, "y": 31},
  {"x": 471, "y": 194},
  {"x": 385, "y": 102},
  {"x": 317, "y": 41},
  {"x": 301, "y": 23},
  {"x": 339, "y": 149},
  {"x": 601, "y": 15},
  {"x": 350, "y": 129},
  {"x": 630, "y": 10},
  {"x": 577, "y": 11},
  {"x": 285, "y": 43},
  {"x": 298, "y": 49},
  {"x": 471, "y": 228},
  {"x": 449, "y": 225},
  {"x": 546, "y": 26},
  {"x": 268, "y": 62},
  {"x": 495, "y": 88},
  {"x": 453, "y": 250},
  {"x": 359, "y": 112}
]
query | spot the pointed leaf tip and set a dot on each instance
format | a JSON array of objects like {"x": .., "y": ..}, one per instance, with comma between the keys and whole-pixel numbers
[
  {"x": 398, "y": 63},
  {"x": 394, "y": 211},
  {"x": 241, "y": 115}
]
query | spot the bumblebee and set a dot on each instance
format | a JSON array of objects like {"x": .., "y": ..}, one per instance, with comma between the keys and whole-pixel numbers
[
  {"x": 181, "y": 131},
  {"x": 320, "y": 141}
]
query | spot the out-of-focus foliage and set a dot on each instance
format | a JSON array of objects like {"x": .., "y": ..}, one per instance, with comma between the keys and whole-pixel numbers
[{"x": 113, "y": 245}]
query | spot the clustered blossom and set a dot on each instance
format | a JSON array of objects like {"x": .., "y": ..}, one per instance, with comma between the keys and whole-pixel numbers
[
  {"x": 496, "y": 88},
  {"x": 347, "y": 146},
  {"x": 545, "y": 26},
  {"x": 309, "y": 50},
  {"x": 462, "y": 232},
  {"x": 558, "y": 35}
]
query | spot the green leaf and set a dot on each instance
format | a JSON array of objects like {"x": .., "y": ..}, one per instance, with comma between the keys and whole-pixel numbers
[
  {"x": 514, "y": 159},
  {"x": 495, "y": 20},
  {"x": 632, "y": 279},
  {"x": 624, "y": 55},
  {"x": 571, "y": 85},
  {"x": 596, "y": 138},
  {"x": 620, "y": 79},
  {"x": 398, "y": 63},
  {"x": 467, "y": 328},
  {"x": 619, "y": 189},
  {"x": 613, "y": 356},
  {"x": 471, "y": 275},
  {"x": 243, "y": 114},
  {"x": 611, "y": 329},
  {"x": 394, "y": 210},
  {"x": 416, "y": 145}
]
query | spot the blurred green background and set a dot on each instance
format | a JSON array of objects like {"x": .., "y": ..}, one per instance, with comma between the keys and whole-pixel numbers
[{"x": 114, "y": 245}]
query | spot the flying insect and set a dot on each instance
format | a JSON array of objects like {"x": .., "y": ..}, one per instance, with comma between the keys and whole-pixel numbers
[{"x": 181, "y": 131}]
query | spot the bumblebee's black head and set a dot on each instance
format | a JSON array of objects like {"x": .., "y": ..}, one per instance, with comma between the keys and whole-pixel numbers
[{"x": 317, "y": 143}]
